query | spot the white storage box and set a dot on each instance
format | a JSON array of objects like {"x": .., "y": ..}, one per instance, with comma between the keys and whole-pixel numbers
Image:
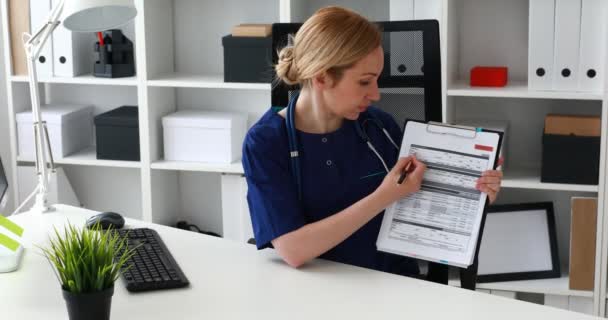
[
  {"x": 204, "y": 136},
  {"x": 70, "y": 129}
]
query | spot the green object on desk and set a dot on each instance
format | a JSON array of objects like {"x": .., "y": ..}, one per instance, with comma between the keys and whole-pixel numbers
[
  {"x": 11, "y": 226},
  {"x": 8, "y": 242}
]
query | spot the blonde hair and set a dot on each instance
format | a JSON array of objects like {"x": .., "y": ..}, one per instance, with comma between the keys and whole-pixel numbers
[{"x": 331, "y": 40}]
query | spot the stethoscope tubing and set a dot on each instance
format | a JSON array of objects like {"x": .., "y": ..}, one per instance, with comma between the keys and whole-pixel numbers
[{"x": 294, "y": 154}]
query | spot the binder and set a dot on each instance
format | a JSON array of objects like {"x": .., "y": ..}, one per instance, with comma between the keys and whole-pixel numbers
[
  {"x": 593, "y": 39},
  {"x": 401, "y": 43},
  {"x": 566, "y": 49},
  {"x": 423, "y": 10},
  {"x": 401, "y": 10},
  {"x": 72, "y": 51},
  {"x": 427, "y": 9},
  {"x": 39, "y": 15},
  {"x": 19, "y": 22},
  {"x": 540, "y": 44}
]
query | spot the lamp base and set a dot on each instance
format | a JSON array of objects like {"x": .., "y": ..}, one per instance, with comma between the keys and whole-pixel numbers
[{"x": 10, "y": 260}]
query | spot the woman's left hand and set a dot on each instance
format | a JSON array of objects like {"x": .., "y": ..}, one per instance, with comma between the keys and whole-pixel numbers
[{"x": 490, "y": 183}]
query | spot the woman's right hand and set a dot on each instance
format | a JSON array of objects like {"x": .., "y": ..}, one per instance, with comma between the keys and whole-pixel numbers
[{"x": 390, "y": 190}]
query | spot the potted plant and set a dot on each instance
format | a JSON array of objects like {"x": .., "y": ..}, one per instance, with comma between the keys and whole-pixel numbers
[{"x": 87, "y": 263}]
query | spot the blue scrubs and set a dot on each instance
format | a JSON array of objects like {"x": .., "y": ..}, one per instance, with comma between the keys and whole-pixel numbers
[{"x": 338, "y": 169}]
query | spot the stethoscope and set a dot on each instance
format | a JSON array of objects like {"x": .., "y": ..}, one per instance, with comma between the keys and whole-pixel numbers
[{"x": 294, "y": 153}]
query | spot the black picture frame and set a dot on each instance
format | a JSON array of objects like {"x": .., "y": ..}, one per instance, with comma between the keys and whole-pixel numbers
[{"x": 523, "y": 274}]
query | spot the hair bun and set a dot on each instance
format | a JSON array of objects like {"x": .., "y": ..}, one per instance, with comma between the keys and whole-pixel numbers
[{"x": 285, "y": 68}]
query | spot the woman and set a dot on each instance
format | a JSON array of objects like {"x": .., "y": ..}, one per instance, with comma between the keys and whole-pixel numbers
[{"x": 336, "y": 214}]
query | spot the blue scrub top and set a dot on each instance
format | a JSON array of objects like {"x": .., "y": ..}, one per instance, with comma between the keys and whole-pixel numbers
[{"x": 338, "y": 169}]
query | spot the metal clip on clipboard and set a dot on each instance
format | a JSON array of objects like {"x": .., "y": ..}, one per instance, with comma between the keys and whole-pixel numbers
[{"x": 444, "y": 128}]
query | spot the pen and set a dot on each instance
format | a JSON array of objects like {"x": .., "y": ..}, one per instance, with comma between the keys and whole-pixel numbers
[{"x": 404, "y": 173}]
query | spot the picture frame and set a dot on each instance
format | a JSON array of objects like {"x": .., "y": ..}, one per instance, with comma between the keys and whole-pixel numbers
[{"x": 519, "y": 242}]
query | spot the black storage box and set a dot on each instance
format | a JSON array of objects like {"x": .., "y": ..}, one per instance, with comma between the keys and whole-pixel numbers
[
  {"x": 247, "y": 59},
  {"x": 117, "y": 134},
  {"x": 570, "y": 159}
]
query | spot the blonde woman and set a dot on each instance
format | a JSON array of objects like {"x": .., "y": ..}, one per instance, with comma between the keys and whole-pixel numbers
[{"x": 330, "y": 203}]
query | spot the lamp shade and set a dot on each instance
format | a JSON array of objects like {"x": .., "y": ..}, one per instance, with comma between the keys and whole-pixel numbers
[{"x": 97, "y": 15}]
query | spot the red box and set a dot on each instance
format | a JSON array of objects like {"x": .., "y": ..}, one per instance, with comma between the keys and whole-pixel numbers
[{"x": 489, "y": 76}]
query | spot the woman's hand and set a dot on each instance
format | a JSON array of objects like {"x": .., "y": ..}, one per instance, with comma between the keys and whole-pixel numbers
[
  {"x": 490, "y": 182},
  {"x": 390, "y": 190}
]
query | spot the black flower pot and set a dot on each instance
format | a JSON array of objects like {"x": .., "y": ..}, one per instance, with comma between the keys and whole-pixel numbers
[{"x": 90, "y": 306}]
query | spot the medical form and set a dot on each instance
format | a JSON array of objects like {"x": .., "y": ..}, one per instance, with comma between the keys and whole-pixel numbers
[{"x": 441, "y": 221}]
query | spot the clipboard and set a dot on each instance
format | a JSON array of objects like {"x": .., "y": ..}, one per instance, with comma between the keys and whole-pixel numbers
[{"x": 443, "y": 222}]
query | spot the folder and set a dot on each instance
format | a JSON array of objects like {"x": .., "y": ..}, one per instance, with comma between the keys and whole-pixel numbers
[
  {"x": 423, "y": 10},
  {"x": 19, "y": 23},
  {"x": 401, "y": 10},
  {"x": 583, "y": 229},
  {"x": 401, "y": 43},
  {"x": 39, "y": 15},
  {"x": 72, "y": 51},
  {"x": 427, "y": 9},
  {"x": 593, "y": 39},
  {"x": 540, "y": 44},
  {"x": 566, "y": 48}
]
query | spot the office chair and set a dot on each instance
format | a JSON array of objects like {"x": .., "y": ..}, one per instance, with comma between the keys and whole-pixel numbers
[{"x": 410, "y": 87}]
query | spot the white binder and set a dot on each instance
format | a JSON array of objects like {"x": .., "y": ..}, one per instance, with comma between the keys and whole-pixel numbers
[
  {"x": 566, "y": 49},
  {"x": 427, "y": 9},
  {"x": 401, "y": 43},
  {"x": 39, "y": 15},
  {"x": 540, "y": 44},
  {"x": 593, "y": 39},
  {"x": 401, "y": 10},
  {"x": 71, "y": 51},
  {"x": 423, "y": 10}
]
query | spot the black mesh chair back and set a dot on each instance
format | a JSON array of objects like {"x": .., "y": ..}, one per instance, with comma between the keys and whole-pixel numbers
[{"x": 410, "y": 83}]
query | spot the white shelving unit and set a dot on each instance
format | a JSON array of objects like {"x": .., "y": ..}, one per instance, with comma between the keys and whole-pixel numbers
[
  {"x": 179, "y": 59},
  {"x": 495, "y": 33}
]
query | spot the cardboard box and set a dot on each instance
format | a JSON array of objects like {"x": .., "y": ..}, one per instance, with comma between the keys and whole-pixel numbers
[
  {"x": 204, "y": 136},
  {"x": 571, "y": 149},
  {"x": 581, "y": 126},
  {"x": 252, "y": 30},
  {"x": 583, "y": 229}
]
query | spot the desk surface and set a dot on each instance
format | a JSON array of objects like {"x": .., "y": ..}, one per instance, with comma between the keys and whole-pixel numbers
[{"x": 230, "y": 280}]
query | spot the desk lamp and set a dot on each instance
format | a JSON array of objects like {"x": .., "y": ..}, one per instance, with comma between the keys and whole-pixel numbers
[{"x": 79, "y": 16}]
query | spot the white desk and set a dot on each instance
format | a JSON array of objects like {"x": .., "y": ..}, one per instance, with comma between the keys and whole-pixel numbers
[{"x": 234, "y": 281}]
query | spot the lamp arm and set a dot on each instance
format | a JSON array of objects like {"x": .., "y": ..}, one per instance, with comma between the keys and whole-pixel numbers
[{"x": 33, "y": 45}]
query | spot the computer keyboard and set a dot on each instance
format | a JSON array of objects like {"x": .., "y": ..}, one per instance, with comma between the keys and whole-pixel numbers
[{"x": 152, "y": 266}]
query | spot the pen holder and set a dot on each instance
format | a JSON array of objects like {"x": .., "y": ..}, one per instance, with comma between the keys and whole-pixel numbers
[{"x": 115, "y": 56}]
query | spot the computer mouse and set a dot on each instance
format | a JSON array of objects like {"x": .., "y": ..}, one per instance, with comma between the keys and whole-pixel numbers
[{"x": 106, "y": 220}]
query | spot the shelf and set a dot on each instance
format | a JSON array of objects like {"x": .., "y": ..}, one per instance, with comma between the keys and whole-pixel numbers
[
  {"x": 530, "y": 179},
  {"x": 517, "y": 89},
  {"x": 88, "y": 157},
  {"x": 556, "y": 286},
  {"x": 84, "y": 79},
  {"x": 180, "y": 80},
  {"x": 233, "y": 168}
]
